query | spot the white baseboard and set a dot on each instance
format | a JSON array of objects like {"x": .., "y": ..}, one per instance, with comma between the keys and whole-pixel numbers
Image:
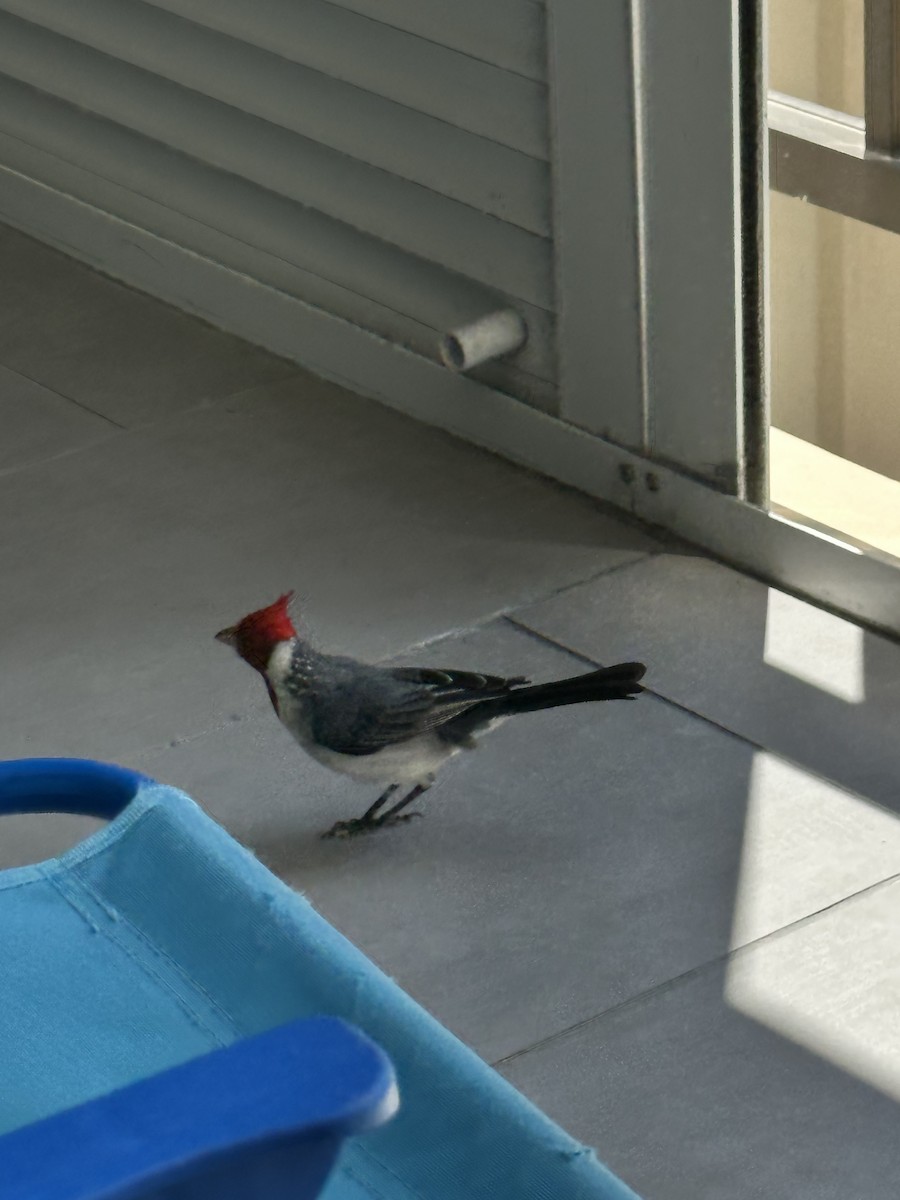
[{"x": 828, "y": 569}]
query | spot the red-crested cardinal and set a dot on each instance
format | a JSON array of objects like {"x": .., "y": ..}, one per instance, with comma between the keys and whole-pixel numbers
[{"x": 393, "y": 726}]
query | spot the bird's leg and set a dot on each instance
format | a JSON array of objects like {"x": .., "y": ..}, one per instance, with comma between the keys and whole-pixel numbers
[
  {"x": 370, "y": 812},
  {"x": 366, "y": 821},
  {"x": 370, "y": 819},
  {"x": 392, "y": 814}
]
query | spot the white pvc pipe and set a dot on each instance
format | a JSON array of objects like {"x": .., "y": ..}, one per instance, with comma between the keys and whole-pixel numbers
[{"x": 491, "y": 336}]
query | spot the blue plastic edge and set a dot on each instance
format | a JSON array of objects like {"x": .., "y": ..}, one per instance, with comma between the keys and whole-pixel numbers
[
  {"x": 68, "y": 785},
  {"x": 313, "y": 1081}
]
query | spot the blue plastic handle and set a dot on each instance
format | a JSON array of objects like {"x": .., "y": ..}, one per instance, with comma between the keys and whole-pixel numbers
[
  {"x": 69, "y": 785},
  {"x": 264, "y": 1117}
]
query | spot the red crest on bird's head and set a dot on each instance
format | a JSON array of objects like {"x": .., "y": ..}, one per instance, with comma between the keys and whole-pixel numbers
[{"x": 256, "y": 635}]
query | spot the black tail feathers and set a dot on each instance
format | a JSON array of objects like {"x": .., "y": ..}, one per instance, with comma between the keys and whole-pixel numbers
[{"x": 620, "y": 682}]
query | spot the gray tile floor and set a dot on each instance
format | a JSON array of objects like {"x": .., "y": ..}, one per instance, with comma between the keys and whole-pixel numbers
[{"x": 672, "y": 923}]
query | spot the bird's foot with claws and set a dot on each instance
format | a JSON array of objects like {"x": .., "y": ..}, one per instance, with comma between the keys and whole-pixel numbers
[{"x": 359, "y": 825}]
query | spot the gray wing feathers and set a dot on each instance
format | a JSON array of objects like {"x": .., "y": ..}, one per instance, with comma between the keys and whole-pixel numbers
[{"x": 358, "y": 710}]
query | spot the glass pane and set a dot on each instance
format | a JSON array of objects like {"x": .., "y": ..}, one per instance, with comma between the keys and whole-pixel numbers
[
  {"x": 816, "y": 51},
  {"x": 835, "y": 351}
]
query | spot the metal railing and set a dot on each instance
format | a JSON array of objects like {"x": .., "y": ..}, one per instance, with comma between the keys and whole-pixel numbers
[{"x": 848, "y": 164}]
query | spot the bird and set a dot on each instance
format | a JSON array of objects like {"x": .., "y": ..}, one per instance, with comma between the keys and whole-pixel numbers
[{"x": 393, "y": 726}]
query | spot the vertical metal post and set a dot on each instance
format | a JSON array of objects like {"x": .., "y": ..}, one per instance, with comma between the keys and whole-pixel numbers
[
  {"x": 882, "y": 75},
  {"x": 692, "y": 227},
  {"x": 596, "y": 218},
  {"x": 658, "y": 152},
  {"x": 754, "y": 189}
]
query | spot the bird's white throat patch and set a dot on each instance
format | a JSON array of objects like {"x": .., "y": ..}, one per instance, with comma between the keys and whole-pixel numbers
[{"x": 279, "y": 663}]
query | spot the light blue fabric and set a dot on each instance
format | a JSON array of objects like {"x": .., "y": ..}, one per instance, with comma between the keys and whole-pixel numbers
[{"x": 160, "y": 938}]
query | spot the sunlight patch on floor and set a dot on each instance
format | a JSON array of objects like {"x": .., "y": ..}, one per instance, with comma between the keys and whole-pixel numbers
[
  {"x": 816, "y": 646},
  {"x": 832, "y": 983}
]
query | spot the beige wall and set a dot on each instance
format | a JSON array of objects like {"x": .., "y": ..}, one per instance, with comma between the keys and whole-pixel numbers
[
  {"x": 835, "y": 336},
  {"x": 835, "y": 282},
  {"x": 816, "y": 51}
]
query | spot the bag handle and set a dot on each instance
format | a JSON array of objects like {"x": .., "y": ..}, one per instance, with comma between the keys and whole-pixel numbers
[{"x": 67, "y": 785}]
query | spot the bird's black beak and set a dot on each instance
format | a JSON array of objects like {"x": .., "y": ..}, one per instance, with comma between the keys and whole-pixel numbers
[{"x": 227, "y": 635}]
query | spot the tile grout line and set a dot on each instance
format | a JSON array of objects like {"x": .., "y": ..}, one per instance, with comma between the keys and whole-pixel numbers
[
  {"x": 298, "y": 370},
  {"x": 507, "y": 614},
  {"x": 665, "y": 985},
  {"x": 63, "y": 396},
  {"x": 205, "y": 402},
  {"x": 178, "y": 742},
  {"x": 737, "y": 950},
  {"x": 20, "y": 468},
  {"x": 711, "y": 721}
]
